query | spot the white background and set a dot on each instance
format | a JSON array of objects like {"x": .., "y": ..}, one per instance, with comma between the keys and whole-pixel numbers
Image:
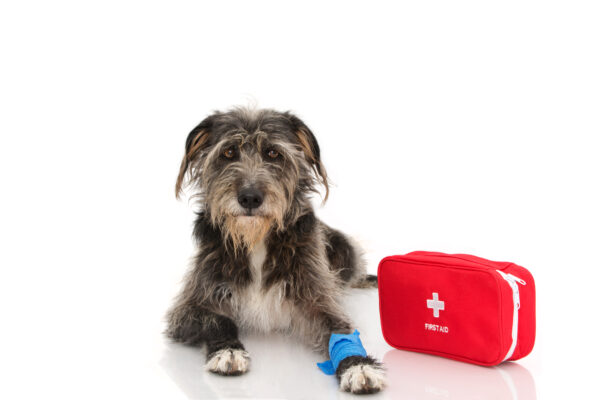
[{"x": 445, "y": 125}]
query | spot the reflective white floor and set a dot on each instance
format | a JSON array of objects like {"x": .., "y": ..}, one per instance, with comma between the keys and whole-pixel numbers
[{"x": 283, "y": 369}]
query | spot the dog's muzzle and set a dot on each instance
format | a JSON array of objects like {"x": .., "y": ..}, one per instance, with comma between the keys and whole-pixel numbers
[{"x": 250, "y": 198}]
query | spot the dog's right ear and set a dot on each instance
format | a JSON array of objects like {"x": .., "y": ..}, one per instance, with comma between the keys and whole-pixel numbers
[{"x": 196, "y": 141}]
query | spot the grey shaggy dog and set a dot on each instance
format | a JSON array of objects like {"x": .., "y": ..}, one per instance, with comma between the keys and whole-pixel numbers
[{"x": 264, "y": 262}]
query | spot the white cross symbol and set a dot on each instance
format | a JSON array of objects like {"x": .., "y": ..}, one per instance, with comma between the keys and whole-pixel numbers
[{"x": 436, "y": 305}]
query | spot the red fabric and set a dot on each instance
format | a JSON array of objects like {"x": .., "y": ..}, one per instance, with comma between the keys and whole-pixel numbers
[{"x": 476, "y": 322}]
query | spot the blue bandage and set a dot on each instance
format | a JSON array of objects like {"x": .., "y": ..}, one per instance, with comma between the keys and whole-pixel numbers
[{"x": 340, "y": 347}]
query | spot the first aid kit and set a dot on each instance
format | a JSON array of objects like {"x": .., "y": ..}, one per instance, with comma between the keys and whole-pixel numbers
[{"x": 457, "y": 306}]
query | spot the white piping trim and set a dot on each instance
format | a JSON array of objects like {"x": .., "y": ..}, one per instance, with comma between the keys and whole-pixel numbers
[{"x": 512, "y": 281}]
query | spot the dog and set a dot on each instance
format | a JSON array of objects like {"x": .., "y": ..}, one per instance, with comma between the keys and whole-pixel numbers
[{"x": 265, "y": 262}]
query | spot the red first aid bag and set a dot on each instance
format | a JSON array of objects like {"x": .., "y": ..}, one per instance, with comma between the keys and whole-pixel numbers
[{"x": 457, "y": 306}]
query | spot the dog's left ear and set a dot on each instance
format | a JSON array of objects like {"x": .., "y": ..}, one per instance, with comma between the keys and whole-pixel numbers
[{"x": 309, "y": 145}]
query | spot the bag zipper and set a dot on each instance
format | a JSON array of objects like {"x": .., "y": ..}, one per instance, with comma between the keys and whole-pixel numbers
[{"x": 512, "y": 281}]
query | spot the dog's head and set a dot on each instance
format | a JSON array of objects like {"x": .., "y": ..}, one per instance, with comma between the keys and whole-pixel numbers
[{"x": 252, "y": 169}]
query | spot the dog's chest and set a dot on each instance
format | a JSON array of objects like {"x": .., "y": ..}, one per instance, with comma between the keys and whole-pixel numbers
[{"x": 259, "y": 308}]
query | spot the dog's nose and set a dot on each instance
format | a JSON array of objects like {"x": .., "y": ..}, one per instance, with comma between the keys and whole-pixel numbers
[{"x": 250, "y": 198}]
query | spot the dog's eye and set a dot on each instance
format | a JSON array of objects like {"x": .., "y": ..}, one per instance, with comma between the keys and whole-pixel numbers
[
  {"x": 229, "y": 153},
  {"x": 272, "y": 153}
]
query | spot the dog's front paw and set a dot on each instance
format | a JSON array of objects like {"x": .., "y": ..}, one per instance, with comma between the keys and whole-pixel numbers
[
  {"x": 228, "y": 362},
  {"x": 361, "y": 375}
]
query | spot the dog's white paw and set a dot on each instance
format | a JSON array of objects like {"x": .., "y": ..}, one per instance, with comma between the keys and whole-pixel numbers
[
  {"x": 229, "y": 362},
  {"x": 363, "y": 379}
]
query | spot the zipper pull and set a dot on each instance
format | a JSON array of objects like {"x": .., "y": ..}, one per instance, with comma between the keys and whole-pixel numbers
[
  {"x": 517, "y": 279},
  {"x": 516, "y": 295},
  {"x": 512, "y": 278},
  {"x": 512, "y": 281}
]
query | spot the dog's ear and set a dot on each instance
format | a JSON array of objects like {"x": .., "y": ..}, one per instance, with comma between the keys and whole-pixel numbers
[
  {"x": 196, "y": 141},
  {"x": 309, "y": 145}
]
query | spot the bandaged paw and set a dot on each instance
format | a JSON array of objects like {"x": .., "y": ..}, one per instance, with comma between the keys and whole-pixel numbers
[{"x": 342, "y": 346}]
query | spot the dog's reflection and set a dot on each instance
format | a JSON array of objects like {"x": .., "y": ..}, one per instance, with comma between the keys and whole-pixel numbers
[
  {"x": 421, "y": 376},
  {"x": 278, "y": 370}
]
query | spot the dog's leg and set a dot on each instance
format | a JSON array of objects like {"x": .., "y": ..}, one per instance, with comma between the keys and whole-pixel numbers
[
  {"x": 225, "y": 353},
  {"x": 356, "y": 374},
  {"x": 345, "y": 259}
]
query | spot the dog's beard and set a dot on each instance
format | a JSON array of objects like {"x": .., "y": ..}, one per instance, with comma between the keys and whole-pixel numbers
[{"x": 246, "y": 231}]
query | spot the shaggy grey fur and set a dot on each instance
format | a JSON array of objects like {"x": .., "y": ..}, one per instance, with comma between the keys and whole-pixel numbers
[{"x": 273, "y": 267}]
